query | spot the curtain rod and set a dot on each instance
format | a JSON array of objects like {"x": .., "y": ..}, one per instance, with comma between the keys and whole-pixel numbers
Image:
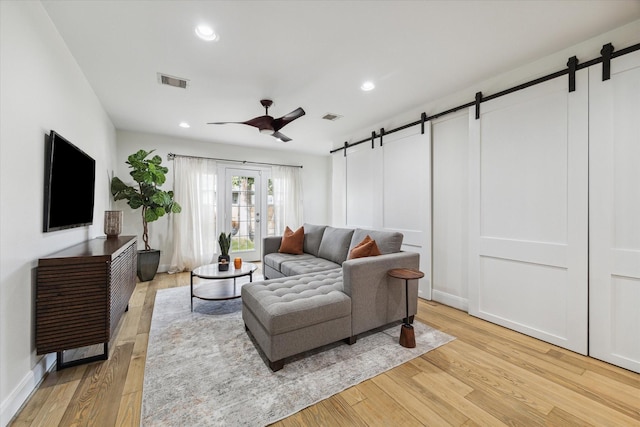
[
  {"x": 606, "y": 52},
  {"x": 172, "y": 156}
]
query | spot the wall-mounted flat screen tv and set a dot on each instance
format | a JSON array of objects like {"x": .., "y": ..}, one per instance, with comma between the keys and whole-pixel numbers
[{"x": 69, "y": 185}]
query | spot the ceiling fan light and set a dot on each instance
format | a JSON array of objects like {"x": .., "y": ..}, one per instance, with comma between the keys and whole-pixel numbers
[
  {"x": 367, "y": 86},
  {"x": 206, "y": 33},
  {"x": 267, "y": 131}
]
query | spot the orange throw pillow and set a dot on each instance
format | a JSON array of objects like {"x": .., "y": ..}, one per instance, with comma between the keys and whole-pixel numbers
[
  {"x": 367, "y": 247},
  {"x": 292, "y": 241}
]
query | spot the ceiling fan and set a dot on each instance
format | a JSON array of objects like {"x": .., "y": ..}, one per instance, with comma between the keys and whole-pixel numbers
[{"x": 267, "y": 124}]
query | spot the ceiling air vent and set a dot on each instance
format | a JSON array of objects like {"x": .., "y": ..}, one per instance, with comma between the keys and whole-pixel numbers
[
  {"x": 172, "y": 81},
  {"x": 331, "y": 116}
]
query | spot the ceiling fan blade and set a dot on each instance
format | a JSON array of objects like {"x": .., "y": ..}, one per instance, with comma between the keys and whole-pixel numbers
[
  {"x": 288, "y": 118},
  {"x": 259, "y": 122},
  {"x": 281, "y": 137}
]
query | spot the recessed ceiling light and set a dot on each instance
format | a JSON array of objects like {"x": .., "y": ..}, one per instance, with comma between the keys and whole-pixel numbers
[
  {"x": 367, "y": 86},
  {"x": 184, "y": 125},
  {"x": 205, "y": 32}
]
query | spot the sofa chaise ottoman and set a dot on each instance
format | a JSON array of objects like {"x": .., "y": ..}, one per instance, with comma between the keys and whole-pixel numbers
[{"x": 320, "y": 297}]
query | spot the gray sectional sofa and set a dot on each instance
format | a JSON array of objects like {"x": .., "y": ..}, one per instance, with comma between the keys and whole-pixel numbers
[{"x": 320, "y": 296}]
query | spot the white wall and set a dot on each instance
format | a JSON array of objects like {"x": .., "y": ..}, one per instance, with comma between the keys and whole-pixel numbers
[
  {"x": 42, "y": 88},
  {"x": 450, "y": 229},
  {"x": 316, "y": 179}
]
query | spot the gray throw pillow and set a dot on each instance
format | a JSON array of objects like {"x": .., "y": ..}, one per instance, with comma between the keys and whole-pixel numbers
[
  {"x": 313, "y": 238},
  {"x": 389, "y": 242},
  {"x": 335, "y": 244}
]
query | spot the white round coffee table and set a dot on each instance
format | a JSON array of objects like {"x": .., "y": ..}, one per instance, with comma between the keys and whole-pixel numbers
[{"x": 211, "y": 291}]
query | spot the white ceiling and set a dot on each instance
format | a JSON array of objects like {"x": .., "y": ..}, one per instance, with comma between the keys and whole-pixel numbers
[{"x": 309, "y": 54}]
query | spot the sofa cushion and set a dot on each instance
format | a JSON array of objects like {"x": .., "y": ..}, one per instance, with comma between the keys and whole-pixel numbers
[
  {"x": 335, "y": 244},
  {"x": 388, "y": 242},
  {"x": 312, "y": 238},
  {"x": 275, "y": 259},
  {"x": 292, "y": 241},
  {"x": 366, "y": 248},
  {"x": 284, "y": 305},
  {"x": 306, "y": 265}
]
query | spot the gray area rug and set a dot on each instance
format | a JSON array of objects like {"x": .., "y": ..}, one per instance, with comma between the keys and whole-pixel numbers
[{"x": 203, "y": 369}]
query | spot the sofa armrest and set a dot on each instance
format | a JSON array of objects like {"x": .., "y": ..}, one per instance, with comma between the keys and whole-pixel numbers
[
  {"x": 270, "y": 244},
  {"x": 377, "y": 299}
]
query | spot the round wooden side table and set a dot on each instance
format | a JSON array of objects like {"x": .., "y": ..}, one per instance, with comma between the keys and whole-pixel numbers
[{"x": 407, "y": 335}]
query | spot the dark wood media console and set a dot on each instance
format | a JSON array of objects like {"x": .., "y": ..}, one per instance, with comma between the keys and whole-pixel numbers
[{"x": 81, "y": 293}]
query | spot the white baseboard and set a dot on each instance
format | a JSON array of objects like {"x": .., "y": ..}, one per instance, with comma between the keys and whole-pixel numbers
[
  {"x": 424, "y": 295},
  {"x": 19, "y": 395},
  {"x": 451, "y": 300}
]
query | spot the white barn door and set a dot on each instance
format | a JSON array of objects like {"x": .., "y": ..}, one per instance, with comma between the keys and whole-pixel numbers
[
  {"x": 362, "y": 179},
  {"x": 614, "y": 223},
  {"x": 528, "y": 212},
  {"x": 406, "y": 192},
  {"x": 389, "y": 188}
]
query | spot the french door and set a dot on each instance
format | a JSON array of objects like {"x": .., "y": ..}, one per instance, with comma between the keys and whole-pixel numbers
[{"x": 243, "y": 212}]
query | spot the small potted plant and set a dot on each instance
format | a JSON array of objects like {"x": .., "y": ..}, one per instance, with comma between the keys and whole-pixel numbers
[{"x": 225, "y": 244}]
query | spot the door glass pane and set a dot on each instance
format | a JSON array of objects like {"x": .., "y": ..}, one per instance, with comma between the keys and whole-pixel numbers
[
  {"x": 271, "y": 221},
  {"x": 243, "y": 212}
]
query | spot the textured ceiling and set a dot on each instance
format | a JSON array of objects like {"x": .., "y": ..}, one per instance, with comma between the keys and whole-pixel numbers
[{"x": 310, "y": 54}]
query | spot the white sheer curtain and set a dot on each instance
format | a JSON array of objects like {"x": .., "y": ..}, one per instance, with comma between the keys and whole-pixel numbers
[
  {"x": 194, "y": 229},
  {"x": 287, "y": 197}
]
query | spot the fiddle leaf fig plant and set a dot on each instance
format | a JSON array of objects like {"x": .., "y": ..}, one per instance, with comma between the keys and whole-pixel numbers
[{"x": 149, "y": 175}]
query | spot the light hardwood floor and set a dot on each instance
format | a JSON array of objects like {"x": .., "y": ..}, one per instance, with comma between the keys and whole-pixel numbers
[{"x": 488, "y": 376}]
